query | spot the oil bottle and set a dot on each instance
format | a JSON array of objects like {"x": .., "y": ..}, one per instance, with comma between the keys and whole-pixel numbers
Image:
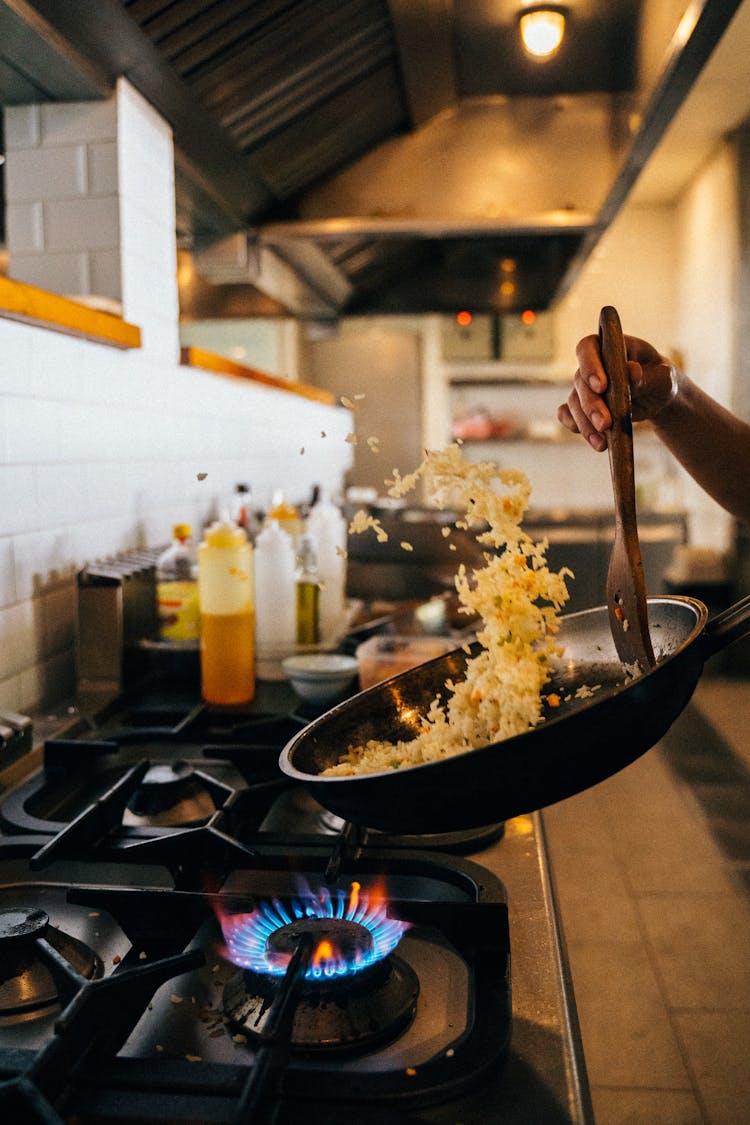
[
  {"x": 227, "y": 602},
  {"x": 308, "y": 593},
  {"x": 177, "y": 588}
]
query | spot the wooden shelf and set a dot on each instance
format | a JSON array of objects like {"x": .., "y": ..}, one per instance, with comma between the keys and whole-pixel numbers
[
  {"x": 30, "y": 305},
  {"x": 209, "y": 361}
]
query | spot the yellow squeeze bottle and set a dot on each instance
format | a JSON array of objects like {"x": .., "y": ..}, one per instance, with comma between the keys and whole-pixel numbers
[{"x": 226, "y": 590}]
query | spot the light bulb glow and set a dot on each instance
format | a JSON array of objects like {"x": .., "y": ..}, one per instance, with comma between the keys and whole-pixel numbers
[{"x": 542, "y": 31}]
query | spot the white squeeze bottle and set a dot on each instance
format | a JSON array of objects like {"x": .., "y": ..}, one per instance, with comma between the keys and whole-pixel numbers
[
  {"x": 227, "y": 603},
  {"x": 327, "y": 526},
  {"x": 275, "y": 594}
]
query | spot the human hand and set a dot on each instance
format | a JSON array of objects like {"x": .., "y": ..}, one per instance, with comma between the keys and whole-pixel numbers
[{"x": 653, "y": 384}]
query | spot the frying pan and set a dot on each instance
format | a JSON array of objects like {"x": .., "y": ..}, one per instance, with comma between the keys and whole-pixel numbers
[
  {"x": 587, "y": 739},
  {"x": 606, "y": 719}
]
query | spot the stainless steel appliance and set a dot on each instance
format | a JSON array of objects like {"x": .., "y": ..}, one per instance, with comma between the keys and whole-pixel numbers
[{"x": 142, "y": 858}]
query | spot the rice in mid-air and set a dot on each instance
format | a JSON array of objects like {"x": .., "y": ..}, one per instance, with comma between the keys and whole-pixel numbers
[{"x": 518, "y": 599}]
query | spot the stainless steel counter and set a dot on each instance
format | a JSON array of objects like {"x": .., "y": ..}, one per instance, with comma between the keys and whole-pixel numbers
[{"x": 544, "y": 1079}]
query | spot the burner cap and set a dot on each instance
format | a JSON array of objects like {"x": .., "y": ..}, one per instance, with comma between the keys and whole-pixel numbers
[
  {"x": 27, "y": 987},
  {"x": 23, "y": 923},
  {"x": 350, "y": 939},
  {"x": 169, "y": 794}
]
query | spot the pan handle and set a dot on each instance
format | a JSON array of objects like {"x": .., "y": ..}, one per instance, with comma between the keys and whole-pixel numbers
[{"x": 729, "y": 625}]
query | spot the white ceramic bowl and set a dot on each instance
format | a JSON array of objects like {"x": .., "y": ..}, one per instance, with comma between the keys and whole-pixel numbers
[{"x": 320, "y": 677}]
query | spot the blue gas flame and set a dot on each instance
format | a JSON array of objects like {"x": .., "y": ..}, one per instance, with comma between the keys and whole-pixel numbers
[{"x": 246, "y": 935}]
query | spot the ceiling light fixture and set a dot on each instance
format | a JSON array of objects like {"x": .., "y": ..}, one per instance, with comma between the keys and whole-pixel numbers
[{"x": 542, "y": 29}]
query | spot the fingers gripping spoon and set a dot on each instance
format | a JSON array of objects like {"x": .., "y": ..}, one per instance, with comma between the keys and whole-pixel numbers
[{"x": 626, "y": 586}]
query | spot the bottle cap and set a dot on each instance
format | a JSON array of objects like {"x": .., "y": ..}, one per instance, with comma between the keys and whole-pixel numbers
[
  {"x": 225, "y": 533},
  {"x": 182, "y": 531}
]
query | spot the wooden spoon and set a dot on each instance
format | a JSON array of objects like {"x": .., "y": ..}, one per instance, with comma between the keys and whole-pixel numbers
[{"x": 626, "y": 586}]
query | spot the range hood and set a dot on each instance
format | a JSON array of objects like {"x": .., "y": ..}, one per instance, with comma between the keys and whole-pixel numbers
[{"x": 378, "y": 157}]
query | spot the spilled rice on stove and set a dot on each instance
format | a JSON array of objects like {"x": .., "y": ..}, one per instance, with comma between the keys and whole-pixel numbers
[{"x": 518, "y": 599}]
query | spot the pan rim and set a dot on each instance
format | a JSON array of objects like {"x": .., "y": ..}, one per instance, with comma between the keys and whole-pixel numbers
[{"x": 515, "y": 741}]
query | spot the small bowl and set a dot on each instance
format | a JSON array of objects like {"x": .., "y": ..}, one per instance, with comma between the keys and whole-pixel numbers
[{"x": 320, "y": 677}]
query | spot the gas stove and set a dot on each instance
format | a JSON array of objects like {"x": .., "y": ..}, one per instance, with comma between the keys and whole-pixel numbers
[{"x": 186, "y": 936}]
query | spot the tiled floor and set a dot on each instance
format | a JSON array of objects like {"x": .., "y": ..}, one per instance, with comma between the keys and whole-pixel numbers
[{"x": 652, "y": 869}]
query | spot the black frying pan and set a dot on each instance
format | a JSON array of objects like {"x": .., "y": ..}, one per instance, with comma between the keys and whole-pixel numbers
[{"x": 578, "y": 745}]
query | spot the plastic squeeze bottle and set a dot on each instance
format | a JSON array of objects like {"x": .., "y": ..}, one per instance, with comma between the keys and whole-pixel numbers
[
  {"x": 286, "y": 516},
  {"x": 328, "y": 527},
  {"x": 177, "y": 588},
  {"x": 227, "y": 601},
  {"x": 275, "y": 622}
]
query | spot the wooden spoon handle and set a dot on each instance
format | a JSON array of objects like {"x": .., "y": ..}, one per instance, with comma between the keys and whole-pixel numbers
[
  {"x": 617, "y": 395},
  {"x": 626, "y": 587}
]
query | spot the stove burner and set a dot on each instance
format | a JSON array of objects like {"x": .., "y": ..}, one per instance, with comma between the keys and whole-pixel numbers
[
  {"x": 169, "y": 794},
  {"x": 27, "y": 987},
  {"x": 351, "y": 1013},
  {"x": 264, "y": 940}
]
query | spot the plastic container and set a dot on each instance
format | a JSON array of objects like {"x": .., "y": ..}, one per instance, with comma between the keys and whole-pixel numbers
[
  {"x": 286, "y": 516},
  {"x": 276, "y": 616},
  {"x": 328, "y": 527},
  {"x": 227, "y": 604},
  {"x": 386, "y": 655},
  {"x": 177, "y": 589},
  {"x": 321, "y": 677}
]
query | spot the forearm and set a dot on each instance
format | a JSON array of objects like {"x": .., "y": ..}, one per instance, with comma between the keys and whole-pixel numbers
[{"x": 710, "y": 443}]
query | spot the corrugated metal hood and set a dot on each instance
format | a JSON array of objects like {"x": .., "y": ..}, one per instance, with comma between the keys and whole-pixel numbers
[{"x": 366, "y": 156}]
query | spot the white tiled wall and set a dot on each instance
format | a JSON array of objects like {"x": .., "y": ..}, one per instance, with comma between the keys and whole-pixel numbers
[
  {"x": 62, "y": 207},
  {"x": 100, "y": 449}
]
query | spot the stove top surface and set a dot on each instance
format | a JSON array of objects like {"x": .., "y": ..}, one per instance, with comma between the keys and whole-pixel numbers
[{"x": 185, "y": 935}]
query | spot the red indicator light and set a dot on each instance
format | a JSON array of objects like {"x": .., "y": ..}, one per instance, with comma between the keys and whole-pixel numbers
[
  {"x": 464, "y": 319},
  {"x": 528, "y": 316}
]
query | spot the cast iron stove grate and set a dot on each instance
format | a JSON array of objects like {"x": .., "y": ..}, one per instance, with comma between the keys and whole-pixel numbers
[{"x": 156, "y": 1038}]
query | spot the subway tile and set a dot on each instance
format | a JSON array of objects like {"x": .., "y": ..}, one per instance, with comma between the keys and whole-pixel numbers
[
  {"x": 42, "y": 559},
  {"x": 22, "y": 126},
  {"x": 716, "y": 1044},
  {"x": 106, "y": 273},
  {"x": 627, "y": 1036},
  {"x": 24, "y": 224},
  {"x": 17, "y": 621},
  {"x": 60, "y": 497},
  {"x": 102, "y": 168},
  {"x": 64, "y": 273},
  {"x": 64, "y": 123},
  {"x": 8, "y": 591},
  {"x": 46, "y": 173},
  {"x": 32, "y": 430},
  {"x": 633, "y": 1106},
  {"x": 15, "y": 345},
  {"x": 82, "y": 224},
  {"x": 18, "y": 507},
  {"x": 59, "y": 366}
]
